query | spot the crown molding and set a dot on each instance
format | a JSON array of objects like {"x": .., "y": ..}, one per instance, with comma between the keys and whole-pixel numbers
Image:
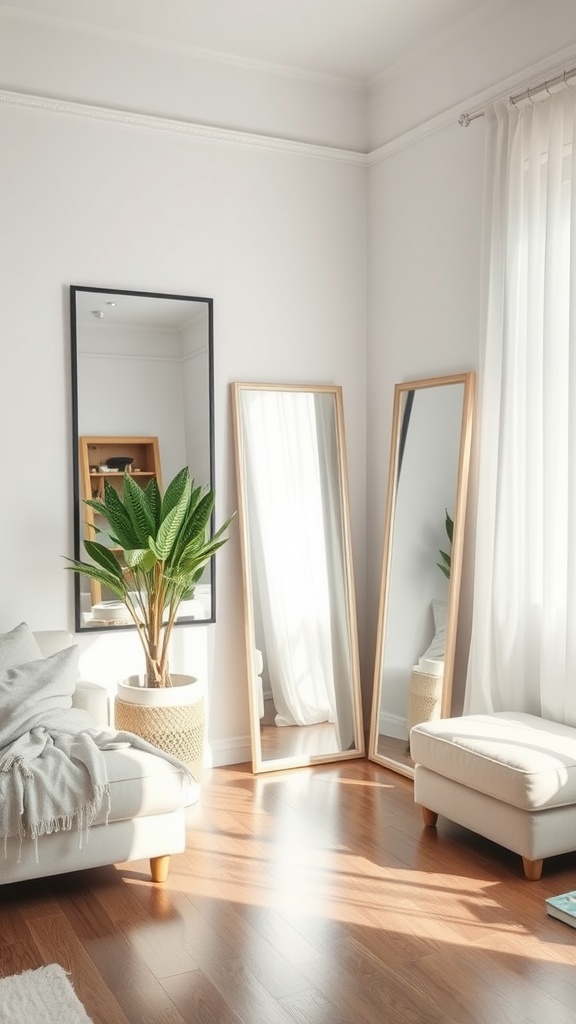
[
  {"x": 204, "y": 133},
  {"x": 234, "y": 137}
]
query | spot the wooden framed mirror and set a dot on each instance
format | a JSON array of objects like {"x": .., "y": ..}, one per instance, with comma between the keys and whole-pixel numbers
[
  {"x": 422, "y": 561},
  {"x": 300, "y": 617}
]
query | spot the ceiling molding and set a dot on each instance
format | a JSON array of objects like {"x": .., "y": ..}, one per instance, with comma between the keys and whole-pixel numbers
[
  {"x": 233, "y": 137},
  {"x": 204, "y": 133}
]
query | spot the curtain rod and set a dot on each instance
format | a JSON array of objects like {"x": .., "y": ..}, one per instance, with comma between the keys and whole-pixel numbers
[{"x": 534, "y": 92}]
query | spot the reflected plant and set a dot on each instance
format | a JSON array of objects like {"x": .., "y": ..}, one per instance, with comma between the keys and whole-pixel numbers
[{"x": 445, "y": 565}]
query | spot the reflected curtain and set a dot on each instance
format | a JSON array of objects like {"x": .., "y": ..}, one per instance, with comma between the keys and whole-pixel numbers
[
  {"x": 523, "y": 646},
  {"x": 288, "y": 548},
  {"x": 333, "y": 518}
]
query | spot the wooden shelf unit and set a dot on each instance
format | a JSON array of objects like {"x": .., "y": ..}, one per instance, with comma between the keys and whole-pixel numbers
[{"x": 94, "y": 451}]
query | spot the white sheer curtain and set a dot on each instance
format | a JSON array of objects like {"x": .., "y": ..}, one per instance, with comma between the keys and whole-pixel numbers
[
  {"x": 288, "y": 548},
  {"x": 523, "y": 649}
]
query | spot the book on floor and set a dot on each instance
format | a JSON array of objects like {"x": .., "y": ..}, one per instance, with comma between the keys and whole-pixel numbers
[{"x": 563, "y": 907}]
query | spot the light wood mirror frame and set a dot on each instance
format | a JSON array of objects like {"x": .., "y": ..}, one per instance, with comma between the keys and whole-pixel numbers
[
  {"x": 299, "y": 608},
  {"x": 429, "y": 458}
]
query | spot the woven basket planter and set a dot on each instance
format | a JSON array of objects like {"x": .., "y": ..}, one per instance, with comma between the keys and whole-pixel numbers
[
  {"x": 425, "y": 697},
  {"x": 172, "y": 718}
]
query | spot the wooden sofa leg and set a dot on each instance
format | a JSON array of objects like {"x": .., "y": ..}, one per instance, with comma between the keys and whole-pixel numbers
[
  {"x": 159, "y": 868},
  {"x": 430, "y": 817},
  {"x": 532, "y": 869}
]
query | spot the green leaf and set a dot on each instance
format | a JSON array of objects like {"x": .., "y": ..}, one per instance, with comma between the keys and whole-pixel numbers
[
  {"x": 180, "y": 485},
  {"x": 445, "y": 569},
  {"x": 170, "y": 527},
  {"x": 140, "y": 558},
  {"x": 118, "y": 518},
  {"x": 97, "y": 504},
  {"x": 223, "y": 527},
  {"x": 107, "y": 579},
  {"x": 154, "y": 499},
  {"x": 104, "y": 557},
  {"x": 449, "y": 524},
  {"x": 194, "y": 557},
  {"x": 136, "y": 503},
  {"x": 196, "y": 522}
]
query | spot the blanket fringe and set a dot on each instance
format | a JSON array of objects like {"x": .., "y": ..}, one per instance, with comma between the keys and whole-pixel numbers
[
  {"x": 83, "y": 817},
  {"x": 12, "y": 761}
]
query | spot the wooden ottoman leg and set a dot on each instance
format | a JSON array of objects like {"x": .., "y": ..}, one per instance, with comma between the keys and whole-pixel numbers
[
  {"x": 430, "y": 817},
  {"x": 159, "y": 868},
  {"x": 532, "y": 869}
]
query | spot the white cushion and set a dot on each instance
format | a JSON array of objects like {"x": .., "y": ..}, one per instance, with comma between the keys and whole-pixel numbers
[
  {"x": 18, "y": 647},
  {"x": 521, "y": 759},
  {"x": 141, "y": 784},
  {"x": 46, "y": 684}
]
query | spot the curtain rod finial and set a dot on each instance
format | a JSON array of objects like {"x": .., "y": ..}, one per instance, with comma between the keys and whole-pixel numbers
[{"x": 464, "y": 120}]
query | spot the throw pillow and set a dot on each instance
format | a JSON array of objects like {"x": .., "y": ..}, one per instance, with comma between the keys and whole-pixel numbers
[
  {"x": 28, "y": 692},
  {"x": 437, "y": 648},
  {"x": 17, "y": 647}
]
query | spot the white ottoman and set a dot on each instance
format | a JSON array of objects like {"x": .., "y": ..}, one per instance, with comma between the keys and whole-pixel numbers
[{"x": 510, "y": 777}]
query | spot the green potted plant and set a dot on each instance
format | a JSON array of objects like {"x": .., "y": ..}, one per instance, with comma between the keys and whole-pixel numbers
[{"x": 163, "y": 546}]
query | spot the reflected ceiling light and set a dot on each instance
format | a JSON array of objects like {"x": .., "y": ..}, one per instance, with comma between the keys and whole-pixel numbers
[{"x": 98, "y": 314}]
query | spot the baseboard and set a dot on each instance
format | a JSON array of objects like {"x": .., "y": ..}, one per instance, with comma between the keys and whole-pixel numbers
[
  {"x": 394, "y": 726},
  {"x": 233, "y": 750}
]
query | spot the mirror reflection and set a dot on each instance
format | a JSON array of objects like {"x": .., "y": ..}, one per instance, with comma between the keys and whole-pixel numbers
[
  {"x": 299, "y": 597},
  {"x": 142, "y": 403},
  {"x": 425, "y": 519}
]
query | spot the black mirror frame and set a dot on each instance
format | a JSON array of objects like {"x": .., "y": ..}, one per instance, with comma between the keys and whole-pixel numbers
[{"x": 79, "y": 626}]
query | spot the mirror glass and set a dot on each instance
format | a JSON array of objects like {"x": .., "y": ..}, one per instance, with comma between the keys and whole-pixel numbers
[
  {"x": 301, "y": 636},
  {"x": 425, "y": 520},
  {"x": 142, "y": 393}
]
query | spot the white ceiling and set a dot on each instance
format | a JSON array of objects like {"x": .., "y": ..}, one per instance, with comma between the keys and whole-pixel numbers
[{"x": 354, "y": 39}]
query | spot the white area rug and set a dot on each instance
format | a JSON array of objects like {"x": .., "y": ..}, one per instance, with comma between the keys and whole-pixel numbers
[{"x": 44, "y": 996}]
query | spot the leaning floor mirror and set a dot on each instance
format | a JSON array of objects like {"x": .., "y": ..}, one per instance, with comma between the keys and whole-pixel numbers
[
  {"x": 300, "y": 618},
  {"x": 422, "y": 563}
]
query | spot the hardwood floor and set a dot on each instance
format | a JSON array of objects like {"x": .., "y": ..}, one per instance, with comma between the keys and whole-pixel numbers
[{"x": 313, "y": 896}]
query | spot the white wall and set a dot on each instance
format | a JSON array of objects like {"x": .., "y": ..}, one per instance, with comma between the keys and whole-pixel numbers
[
  {"x": 277, "y": 238},
  {"x": 425, "y": 226}
]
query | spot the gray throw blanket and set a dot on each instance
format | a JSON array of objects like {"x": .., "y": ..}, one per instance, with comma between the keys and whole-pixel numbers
[{"x": 53, "y": 769}]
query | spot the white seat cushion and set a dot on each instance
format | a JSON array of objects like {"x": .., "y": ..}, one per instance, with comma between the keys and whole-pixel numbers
[
  {"x": 520, "y": 759},
  {"x": 141, "y": 784}
]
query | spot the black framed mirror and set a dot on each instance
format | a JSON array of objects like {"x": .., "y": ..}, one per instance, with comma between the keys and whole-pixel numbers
[{"x": 142, "y": 398}]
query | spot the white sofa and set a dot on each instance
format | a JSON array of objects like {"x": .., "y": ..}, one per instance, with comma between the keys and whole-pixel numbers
[{"x": 147, "y": 809}]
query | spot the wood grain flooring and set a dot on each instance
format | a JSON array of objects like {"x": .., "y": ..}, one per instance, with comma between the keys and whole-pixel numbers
[{"x": 312, "y": 896}]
